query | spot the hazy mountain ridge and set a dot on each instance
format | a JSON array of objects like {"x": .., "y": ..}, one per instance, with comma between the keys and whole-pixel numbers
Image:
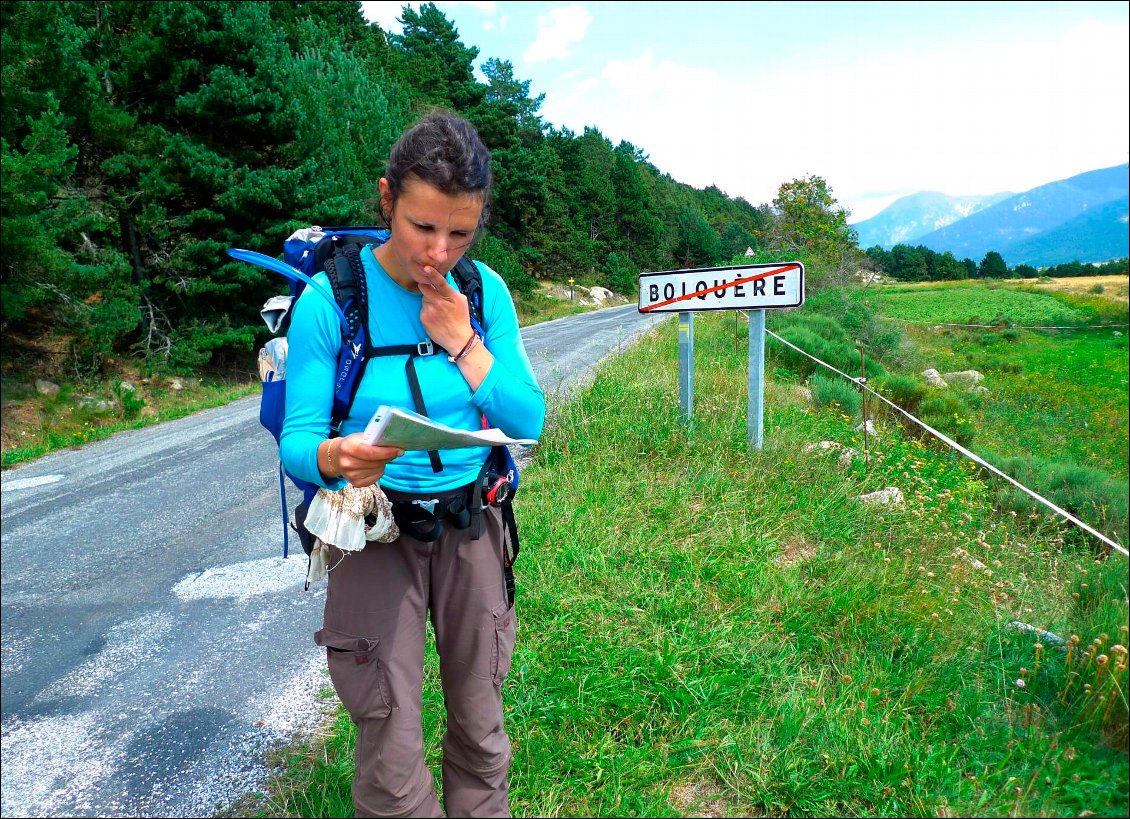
[
  {"x": 1098, "y": 234},
  {"x": 1081, "y": 218},
  {"x": 918, "y": 214}
]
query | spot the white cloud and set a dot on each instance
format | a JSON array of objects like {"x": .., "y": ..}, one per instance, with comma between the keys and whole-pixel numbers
[
  {"x": 966, "y": 119},
  {"x": 558, "y": 31},
  {"x": 385, "y": 14}
]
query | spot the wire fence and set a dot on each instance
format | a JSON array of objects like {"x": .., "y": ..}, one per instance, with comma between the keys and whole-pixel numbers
[{"x": 967, "y": 453}]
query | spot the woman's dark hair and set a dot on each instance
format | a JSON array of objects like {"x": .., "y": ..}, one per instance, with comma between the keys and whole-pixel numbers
[{"x": 445, "y": 151}]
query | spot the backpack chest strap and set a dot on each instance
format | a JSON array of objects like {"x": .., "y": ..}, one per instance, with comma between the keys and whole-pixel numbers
[{"x": 413, "y": 351}]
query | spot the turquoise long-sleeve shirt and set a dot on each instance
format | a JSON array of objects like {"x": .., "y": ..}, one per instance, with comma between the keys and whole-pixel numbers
[{"x": 509, "y": 396}]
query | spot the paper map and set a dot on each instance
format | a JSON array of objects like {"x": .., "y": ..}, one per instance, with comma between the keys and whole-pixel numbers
[{"x": 391, "y": 426}]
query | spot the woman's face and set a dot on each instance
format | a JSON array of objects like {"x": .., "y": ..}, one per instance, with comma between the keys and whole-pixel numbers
[{"x": 430, "y": 228}]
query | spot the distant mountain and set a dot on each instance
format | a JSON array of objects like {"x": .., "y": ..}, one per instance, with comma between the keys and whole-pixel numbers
[
  {"x": 1096, "y": 235},
  {"x": 1039, "y": 226},
  {"x": 918, "y": 214}
]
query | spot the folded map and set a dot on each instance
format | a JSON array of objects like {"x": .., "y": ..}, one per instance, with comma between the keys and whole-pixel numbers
[{"x": 391, "y": 426}]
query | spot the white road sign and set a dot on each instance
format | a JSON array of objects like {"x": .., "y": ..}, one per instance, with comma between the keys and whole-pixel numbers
[{"x": 745, "y": 287}]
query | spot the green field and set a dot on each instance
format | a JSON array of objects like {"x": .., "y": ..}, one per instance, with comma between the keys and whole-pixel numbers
[{"x": 979, "y": 303}]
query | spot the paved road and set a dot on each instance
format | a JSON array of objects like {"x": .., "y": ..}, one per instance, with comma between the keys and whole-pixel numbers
[{"x": 155, "y": 642}]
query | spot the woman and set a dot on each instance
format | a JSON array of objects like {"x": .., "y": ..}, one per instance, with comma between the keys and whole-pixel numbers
[{"x": 434, "y": 197}]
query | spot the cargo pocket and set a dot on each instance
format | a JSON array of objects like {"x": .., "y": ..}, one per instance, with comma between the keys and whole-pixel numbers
[
  {"x": 357, "y": 673},
  {"x": 505, "y": 627}
]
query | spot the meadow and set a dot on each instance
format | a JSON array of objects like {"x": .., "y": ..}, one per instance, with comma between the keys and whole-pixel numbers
[
  {"x": 1052, "y": 409},
  {"x": 707, "y": 630}
]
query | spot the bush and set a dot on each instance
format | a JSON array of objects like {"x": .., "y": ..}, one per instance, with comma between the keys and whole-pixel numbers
[
  {"x": 1092, "y": 495},
  {"x": 838, "y": 352},
  {"x": 949, "y": 415},
  {"x": 832, "y": 390},
  {"x": 905, "y": 390},
  {"x": 132, "y": 403}
]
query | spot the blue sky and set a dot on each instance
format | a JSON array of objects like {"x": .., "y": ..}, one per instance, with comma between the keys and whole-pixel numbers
[{"x": 882, "y": 99}]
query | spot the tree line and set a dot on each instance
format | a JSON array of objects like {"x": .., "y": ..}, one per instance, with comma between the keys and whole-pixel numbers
[
  {"x": 140, "y": 140},
  {"x": 917, "y": 263}
]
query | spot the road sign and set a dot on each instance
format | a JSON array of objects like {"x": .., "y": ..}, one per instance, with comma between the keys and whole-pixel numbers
[{"x": 743, "y": 287}]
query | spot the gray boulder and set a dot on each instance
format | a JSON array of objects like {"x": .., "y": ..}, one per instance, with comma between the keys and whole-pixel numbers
[{"x": 966, "y": 379}]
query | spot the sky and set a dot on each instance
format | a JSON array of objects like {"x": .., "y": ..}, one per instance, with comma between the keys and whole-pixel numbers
[{"x": 880, "y": 99}]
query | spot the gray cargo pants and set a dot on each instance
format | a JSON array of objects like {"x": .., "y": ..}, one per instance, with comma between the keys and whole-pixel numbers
[{"x": 374, "y": 634}]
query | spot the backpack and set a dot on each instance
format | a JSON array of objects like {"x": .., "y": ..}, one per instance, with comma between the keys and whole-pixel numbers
[{"x": 336, "y": 251}]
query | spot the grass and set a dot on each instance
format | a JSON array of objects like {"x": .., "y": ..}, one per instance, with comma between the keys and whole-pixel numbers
[
  {"x": 706, "y": 630},
  {"x": 1050, "y": 393}
]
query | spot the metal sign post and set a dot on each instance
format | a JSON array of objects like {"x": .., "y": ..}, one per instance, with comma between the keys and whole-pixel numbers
[
  {"x": 755, "y": 414},
  {"x": 686, "y": 365},
  {"x": 752, "y": 287}
]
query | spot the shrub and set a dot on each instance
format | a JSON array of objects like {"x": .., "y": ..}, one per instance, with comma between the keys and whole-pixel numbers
[
  {"x": 840, "y": 354},
  {"x": 1092, "y": 495},
  {"x": 949, "y": 415},
  {"x": 905, "y": 390},
  {"x": 131, "y": 402},
  {"x": 832, "y": 390}
]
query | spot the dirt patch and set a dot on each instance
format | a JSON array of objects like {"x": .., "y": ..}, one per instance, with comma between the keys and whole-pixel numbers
[
  {"x": 795, "y": 550},
  {"x": 699, "y": 799},
  {"x": 17, "y": 420}
]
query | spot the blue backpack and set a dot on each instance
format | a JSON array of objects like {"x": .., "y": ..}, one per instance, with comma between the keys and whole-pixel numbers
[{"x": 337, "y": 252}]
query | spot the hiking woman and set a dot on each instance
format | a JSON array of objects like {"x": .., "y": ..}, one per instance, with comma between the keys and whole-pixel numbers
[{"x": 434, "y": 197}]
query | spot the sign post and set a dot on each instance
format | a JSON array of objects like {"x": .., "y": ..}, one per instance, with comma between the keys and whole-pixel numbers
[
  {"x": 686, "y": 365},
  {"x": 755, "y": 413},
  {"x": 754, "y": 287}
]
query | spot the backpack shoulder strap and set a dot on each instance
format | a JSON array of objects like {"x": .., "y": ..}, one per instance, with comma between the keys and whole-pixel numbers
[{"x": 469, "y": 280}]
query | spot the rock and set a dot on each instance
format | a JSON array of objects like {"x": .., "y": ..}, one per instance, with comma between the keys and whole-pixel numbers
[
  {"x": 601, "y": 294},
  {"x": 868, "y": 426},
  {"x": 176, "y": 384},
  {"x": 979, "y": 390},
  {"x": 48, "y": 388},
  {"x": 95, "y": 405},
  {"x": 966, "y": 379},
  {"x": 1045, "y": 636},
  {"x": 891, "y": 496},
  {"x": 846, "y": 453},
  {"x": 126, "y": 386},
  {"x": 934, "y": 379}
]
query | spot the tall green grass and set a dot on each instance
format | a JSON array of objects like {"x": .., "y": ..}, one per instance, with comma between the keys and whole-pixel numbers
[{"x": 710, "y": 630}]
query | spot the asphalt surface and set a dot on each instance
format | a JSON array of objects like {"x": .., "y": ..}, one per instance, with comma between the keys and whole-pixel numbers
[{"x": 154, "y": 642}]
